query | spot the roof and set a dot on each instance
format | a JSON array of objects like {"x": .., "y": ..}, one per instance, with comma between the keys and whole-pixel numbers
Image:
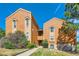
[
  {"x": 53, "y": 19},
  {"x": 18, "y": 11},
  {"x": 35, "y": 22}
]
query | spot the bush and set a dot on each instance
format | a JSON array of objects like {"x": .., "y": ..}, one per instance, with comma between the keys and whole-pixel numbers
[
  {"x": 67, "y": 48},
  {"x": 31, "y": 45},
  {"x": 2, "y": 33},
  {"x": 45, "y": 44},
  {"x": 17, "y": 39},
  {"x": 9, "y": 45}
]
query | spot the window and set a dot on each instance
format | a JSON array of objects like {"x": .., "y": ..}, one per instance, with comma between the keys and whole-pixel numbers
[
  {"x": 14, "y": 23},
  {"x": 51, "y": 46},
  {"x": 51, "y": 37},
  {"x": 27, "y": 35},
  {"x": 51, "y": 29},
  {"x": 27, "y": 21}
]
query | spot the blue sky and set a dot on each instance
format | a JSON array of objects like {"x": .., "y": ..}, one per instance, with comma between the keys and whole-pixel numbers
[{"x": 41, "y": 12}]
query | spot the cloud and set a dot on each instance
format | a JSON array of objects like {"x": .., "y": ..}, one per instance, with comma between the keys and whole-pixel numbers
[{"x": 57, "y": 8}]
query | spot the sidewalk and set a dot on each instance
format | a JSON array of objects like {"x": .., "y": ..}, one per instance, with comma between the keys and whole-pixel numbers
[{"x": 28, "y": 53}]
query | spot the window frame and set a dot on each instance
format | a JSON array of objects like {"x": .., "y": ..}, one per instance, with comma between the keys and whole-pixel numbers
[
  {"x": 14, "y": 24},
  {"x": 27, "y": 35},
  {"x": 51, "y": 45},
  {"x": 52, "y": 29},
  {"x": 27, "y": 21},
  {"x": 52, "y": 37}
]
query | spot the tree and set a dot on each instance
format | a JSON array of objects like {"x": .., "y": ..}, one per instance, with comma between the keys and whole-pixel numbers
[
  {"x": 69, "y": 28},
  {"x": 67, "y": 34},
  {"x": 72, "y": 10},
  {"x": 2, "y": 33}
]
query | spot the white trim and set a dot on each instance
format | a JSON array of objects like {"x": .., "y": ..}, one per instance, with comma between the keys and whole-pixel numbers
[
  {"x": 51, "y": 34},
  {"x": 50, "y": 45},
  {"x": 28, "y": 29},
  {"x": 14, "y": 29}
]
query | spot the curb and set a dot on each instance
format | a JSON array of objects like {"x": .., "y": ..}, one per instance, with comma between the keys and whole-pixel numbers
[{"x": 20, "y": 52}]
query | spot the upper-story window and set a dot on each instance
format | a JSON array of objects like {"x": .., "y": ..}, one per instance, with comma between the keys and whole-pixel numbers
[
  {"x": 14, "y": 23},
  {"x": 51, "y": 29},
  {"x": 27, "y": 21},
  {"x": 51, "y": 37}
]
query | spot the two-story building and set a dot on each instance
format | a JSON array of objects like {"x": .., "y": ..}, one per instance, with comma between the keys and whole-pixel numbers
[
  {"x": 22, "y": 20},
  {"x": 51, "y": 31}
]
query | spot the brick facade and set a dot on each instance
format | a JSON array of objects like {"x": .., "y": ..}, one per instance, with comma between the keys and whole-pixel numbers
[
  {"x": 56, "y": 24},
  {"x": 21, "y": 16}
]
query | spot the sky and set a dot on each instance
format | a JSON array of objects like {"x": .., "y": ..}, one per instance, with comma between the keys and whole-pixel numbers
[{"x": 41, "y": 11}]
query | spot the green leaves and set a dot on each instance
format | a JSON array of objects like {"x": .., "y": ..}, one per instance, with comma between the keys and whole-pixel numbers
[
  {"x": 72, "y": 10},
  {"x": 73, "y": 26},
  {"x": 68, "y": 14},
  {"x": 45, "y": 43},
  {"x": 17, "y": 40},
  {"x": 9, "y": 45},
  {"x": 2, "y": 33}
]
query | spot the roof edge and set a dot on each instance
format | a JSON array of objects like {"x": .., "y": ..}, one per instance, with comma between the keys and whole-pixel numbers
[
  {"x": 55, "y": 18},
  {"x": 17, "y": 11}
]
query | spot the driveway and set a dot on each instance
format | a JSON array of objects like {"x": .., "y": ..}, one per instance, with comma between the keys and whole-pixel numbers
[{"x": 29, "y": 52}]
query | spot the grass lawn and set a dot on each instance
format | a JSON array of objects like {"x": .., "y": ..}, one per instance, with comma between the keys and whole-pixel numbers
[
  {"x": 78, "y": 46},
  {"x": 52, "y": 52},
  {"x": 10, "y": 52}
]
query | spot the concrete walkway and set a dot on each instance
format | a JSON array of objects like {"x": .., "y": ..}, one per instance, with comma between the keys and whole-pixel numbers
[{"x": 28, "y": 53}]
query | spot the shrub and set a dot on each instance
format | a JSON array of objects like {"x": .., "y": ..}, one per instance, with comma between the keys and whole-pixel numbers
[
  {"x": 8, "y": 45},
  {"x": 2, "y": 33},
  {"x": 45, "y": 43},
  {"x": 67, "y": 48},
  {"x": 18, "y": 39},
  {"x": 31, "y": 45}
]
